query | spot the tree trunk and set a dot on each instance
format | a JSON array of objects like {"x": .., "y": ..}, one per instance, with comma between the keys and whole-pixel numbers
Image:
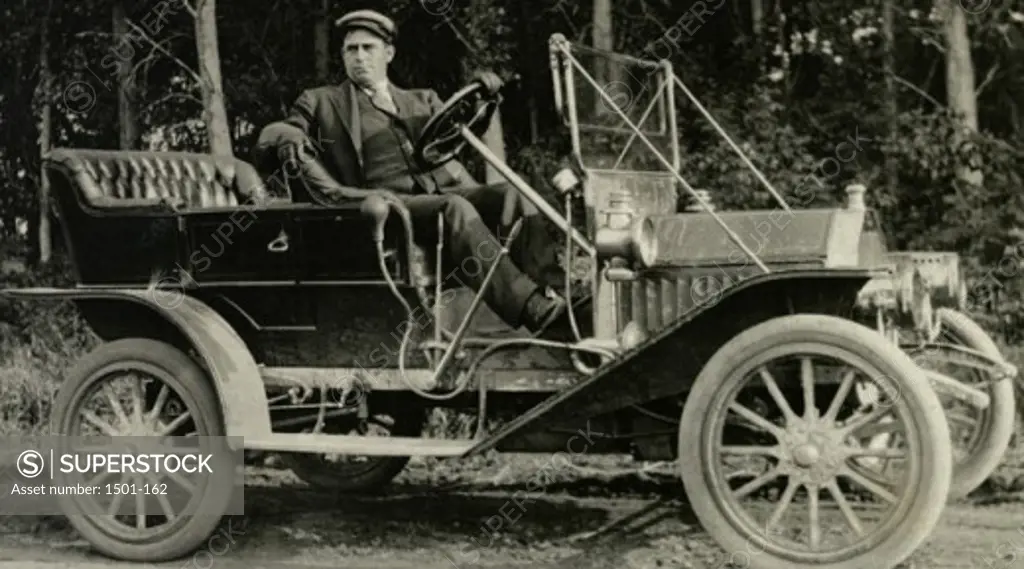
[
  {"x": 494, "y": 138},
  {"x": 527, "y": 47},
  {"x": 45, "y": 128},
  {"x": 891, "y": 107},
  {"x": 322, "y": 41},
  {"x": 757, "y": 29},
  {"x": 603, "y": 37},
  {"x": 757, "y": 17},
  {"x": 127, "y": 116},
  {"x": 960, "y": 80},
  {"x": 215, "y": 114}
]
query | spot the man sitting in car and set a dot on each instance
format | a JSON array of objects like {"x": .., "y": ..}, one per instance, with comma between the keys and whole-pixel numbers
[{"x": 365, "y": 151}]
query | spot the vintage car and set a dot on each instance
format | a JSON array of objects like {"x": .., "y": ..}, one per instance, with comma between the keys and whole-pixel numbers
[{"x": 289, "y": 324}]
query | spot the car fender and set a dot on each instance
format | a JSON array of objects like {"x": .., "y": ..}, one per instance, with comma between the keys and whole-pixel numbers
[{"x": 225, "y": 356}]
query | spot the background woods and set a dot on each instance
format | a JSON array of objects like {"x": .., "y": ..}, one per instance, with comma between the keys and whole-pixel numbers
[{"x": 928, "y": 93}]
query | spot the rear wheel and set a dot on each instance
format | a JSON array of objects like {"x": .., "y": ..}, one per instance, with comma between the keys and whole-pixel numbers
[
  {"x": 105, "y": 394},
  {"x": 342, "y": 473},
  {"x": 806, "y": 458}
]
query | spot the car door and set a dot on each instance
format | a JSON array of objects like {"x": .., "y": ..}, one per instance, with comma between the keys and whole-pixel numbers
[
  {"x": 246, "y": 262},
  {"x": 242, "y": 245}
]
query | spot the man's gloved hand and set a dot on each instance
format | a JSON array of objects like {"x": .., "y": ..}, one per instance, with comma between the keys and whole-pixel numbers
[
  {"x": 490, "y": 80},
  {"x": 516, "y": 206},
  {"x": 294, "y": 152}
]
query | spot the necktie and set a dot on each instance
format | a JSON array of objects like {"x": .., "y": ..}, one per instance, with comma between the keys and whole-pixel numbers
[{"x": 381, "y": 99}]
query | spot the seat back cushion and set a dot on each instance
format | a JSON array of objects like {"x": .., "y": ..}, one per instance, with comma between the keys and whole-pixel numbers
[{"x": 105, "y": 178}]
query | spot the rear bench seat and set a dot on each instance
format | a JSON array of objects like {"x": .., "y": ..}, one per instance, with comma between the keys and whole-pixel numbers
[{"x": 184, "y": 181}]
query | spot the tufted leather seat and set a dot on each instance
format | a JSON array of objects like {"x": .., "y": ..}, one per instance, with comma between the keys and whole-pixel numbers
[{"x": 183, "y": 180}]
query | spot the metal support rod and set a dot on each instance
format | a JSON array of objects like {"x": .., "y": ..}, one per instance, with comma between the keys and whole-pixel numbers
[
  {"x": 668, "y": 165},
  {"x": 572, "y": 112},
  {"x": 736, "y": 148},
  {"x": 955, "y": 354},
  {"x": 530, "y": 193},
  {"x": 948, "y": 386},
  {"x": 439, "y": 270},
  {"x": 556, "y": 77},
  {"x": 673, "y": 128},
  {"x": 563, "y": 42},
  {"x": 456, "y": 341},
  {"x": 632, "y": 136}
]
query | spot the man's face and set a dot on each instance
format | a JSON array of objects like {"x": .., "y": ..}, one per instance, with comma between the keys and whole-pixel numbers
[{"x": 366, "y": 57}]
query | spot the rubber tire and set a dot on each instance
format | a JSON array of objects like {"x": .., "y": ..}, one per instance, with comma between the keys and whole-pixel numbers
[
  {"x": 191, "y": 383},
  {"x": 991, "y": 449},
  {"x": 931, "y": 487},
  {"x": 373, "y": 480}
]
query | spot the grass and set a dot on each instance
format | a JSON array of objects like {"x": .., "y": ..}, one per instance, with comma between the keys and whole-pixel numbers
[{"x": 29, "y": 378}]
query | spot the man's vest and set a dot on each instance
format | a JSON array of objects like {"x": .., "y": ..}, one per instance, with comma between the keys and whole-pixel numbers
[{"x": 387, "y": 152}]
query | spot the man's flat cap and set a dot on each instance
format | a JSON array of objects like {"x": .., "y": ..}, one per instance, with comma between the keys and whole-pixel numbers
[{"x": 369, "y": 20}]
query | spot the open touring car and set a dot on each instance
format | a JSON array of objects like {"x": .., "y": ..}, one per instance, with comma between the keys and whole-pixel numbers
[{"x": 746, "y": 366}]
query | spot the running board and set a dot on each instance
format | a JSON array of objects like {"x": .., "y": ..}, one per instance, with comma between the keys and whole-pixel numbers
[
  {"x": 356, "y": 445},
  {"x": 945, "y": 385},
  {"x": 386, "y": 379}
]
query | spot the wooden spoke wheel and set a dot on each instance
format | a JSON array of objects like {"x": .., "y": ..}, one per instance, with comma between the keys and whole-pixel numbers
[
  {"x": 981, "y": 437},
  {"x": 806, "y": 503},
  {"x": 143, "y": 388}
]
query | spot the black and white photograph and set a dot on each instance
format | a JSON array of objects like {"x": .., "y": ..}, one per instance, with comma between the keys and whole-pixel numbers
[{"x": 511, "y": 284}]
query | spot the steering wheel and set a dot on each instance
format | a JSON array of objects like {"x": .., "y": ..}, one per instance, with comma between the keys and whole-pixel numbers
[{"x": 441, "y": 139}]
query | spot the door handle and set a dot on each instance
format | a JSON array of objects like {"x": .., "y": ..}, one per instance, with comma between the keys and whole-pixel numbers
[{"x": 279, "y": 244}]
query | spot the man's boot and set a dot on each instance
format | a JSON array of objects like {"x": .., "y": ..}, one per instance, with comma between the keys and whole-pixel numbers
[{"x": 543, "y": 309}]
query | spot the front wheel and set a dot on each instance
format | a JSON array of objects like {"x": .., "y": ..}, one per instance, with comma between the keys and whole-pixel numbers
[
  {"x": 986, "y": 433},
  {"x": 783, "y": 386}
]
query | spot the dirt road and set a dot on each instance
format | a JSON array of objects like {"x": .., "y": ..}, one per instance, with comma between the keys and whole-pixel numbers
[{"x": 289, "y": 528}]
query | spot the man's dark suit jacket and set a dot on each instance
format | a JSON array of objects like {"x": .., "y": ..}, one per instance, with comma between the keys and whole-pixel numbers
[{"x": 329, "y": 117}]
